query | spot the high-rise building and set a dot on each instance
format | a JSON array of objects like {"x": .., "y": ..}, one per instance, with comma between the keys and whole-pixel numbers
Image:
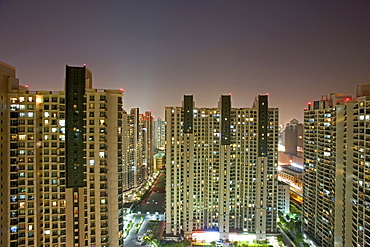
[
  {"x": 146, "y": 125},
  {"x": 221, "y": 168},
  {"x": 336, "y": 183},
  {"x": 61, "y": 163},
  {"x": 293, "y": 137},
  {"x": 138, "y": 151},
  {"x": 159, "y": 134}
]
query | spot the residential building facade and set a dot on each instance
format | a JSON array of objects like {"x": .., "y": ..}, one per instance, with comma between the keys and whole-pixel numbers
[
  {"x": 138, "y": 148},
  {"x": 159, "y": 134},
  {"x": 283, "y": 197},
  {"x": 336, "y": 183},
  {"x": 221, "y": 168},
  {"x": 61, "y": 163}
]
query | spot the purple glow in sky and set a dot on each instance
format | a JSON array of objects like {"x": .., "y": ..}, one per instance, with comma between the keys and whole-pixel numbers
[{"x": 160, "y": 50}]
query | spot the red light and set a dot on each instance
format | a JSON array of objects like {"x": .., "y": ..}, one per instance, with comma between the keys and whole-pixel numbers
[
  {"x": 26, "y": 86},
  {"x": 84, "y": 64},
  {"x": 121, "y": 89},
  {"x": 348, "y": 99},
  {"x": 267, "y": 94},
  {"x": 305, "y": 109},
  {"x": 309, "y": 103},
  {"x": 229, "y": 94}
]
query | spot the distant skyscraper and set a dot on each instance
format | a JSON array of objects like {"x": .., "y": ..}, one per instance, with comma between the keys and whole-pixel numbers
[
  {"x": 138, "y": 152},
  {"x": 146, "y": 124},
  {"x": 293, "y": 137},
  {"x": 60, "y": 163},
  {"x": 159, "y": 134},
  {"x": 336, "y": 184},
  {"x": 222, "y": 168}
]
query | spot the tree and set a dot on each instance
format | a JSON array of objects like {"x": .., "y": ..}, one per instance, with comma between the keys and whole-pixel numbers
[
  {"x": 186, "y": 243},
  {"x": 282, "y": 220},
  {"x": 299, "y": 236}
]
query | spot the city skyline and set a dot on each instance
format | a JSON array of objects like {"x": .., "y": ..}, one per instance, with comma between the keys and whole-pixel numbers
[{"x": 159, "y": 51}]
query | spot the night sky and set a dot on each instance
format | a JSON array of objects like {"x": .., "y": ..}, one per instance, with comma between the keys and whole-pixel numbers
[{"x": 160, "y": 50}]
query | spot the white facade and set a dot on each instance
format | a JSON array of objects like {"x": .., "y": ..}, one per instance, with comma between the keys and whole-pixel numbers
[
  {"x": 284, "y": 198},
  {"x": 221, "y": 168},
  {"x": 159, "y": 134}
]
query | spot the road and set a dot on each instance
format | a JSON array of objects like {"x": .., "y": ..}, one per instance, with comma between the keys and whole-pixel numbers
[
  {"x": 132, "y": 238},
  {"x": 152, "y": 208}
]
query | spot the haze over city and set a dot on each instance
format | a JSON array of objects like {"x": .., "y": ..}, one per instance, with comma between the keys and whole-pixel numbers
[{"x": 159, "y": 50}]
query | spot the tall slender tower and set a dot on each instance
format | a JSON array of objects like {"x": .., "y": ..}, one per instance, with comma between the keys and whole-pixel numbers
[
  {"x": 221, "y": 168},
  {"x": 146, "y": 126},
  {"x": 159, "y": 130},
  {"x": 77, "y": 80},
  {"x": 138, "y": 148}
]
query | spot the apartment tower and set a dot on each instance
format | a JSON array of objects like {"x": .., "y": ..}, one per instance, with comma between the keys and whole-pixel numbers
[
  {"x": 138, "y": 149},
  {"x": 221, "y": 168},
  {"x": 336, "y": 182},
  {"x": 61, "y": 163},
  {"x": 159, "y": 134}
]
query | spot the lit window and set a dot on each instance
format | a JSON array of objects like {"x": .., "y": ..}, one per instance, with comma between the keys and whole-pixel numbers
[{"x": 13, "y": 229}]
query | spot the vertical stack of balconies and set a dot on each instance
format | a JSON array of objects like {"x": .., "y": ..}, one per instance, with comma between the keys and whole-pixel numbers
[{"x": 212, "y": 166}]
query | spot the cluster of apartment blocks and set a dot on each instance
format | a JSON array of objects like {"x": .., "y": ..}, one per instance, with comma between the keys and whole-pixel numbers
[
  {"x": 216, "y": 168},
  {"x": 67, "y": 161},
  {"x": 67, "y": 165},
  {"x": 222, "y": 168},
  {"x": 336, "y": 183}
]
